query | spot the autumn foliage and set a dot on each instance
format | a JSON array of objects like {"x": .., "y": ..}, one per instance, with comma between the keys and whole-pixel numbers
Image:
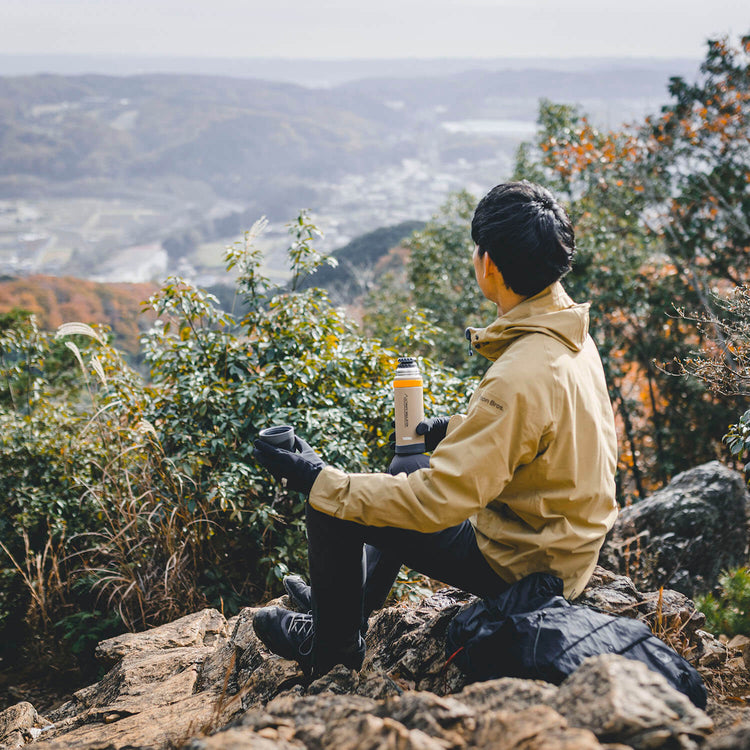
[
  {"x": 56, "y": 300},
  {"x": 662, "y": 215}
]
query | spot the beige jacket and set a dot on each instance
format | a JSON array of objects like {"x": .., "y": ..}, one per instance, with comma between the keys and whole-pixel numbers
[{"x": 531, "y": 463}]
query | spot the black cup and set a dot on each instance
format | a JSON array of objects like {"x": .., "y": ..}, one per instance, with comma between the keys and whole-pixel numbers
[{"x": 282, "y": 436}]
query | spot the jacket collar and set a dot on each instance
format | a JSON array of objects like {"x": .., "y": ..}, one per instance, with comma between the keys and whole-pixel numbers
[{"x": 551, "y": 312}]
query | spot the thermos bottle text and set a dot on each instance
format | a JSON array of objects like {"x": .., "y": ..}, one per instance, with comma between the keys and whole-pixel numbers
[{"x": 409, "y": 406}]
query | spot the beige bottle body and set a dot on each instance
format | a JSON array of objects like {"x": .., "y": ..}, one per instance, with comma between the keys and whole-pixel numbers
[{"x": 408, "y": 401}]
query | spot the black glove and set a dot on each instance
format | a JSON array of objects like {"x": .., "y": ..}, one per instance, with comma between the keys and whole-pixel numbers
[
  {"x": 408, "y": 463},
  {"x": 433, "y": 430},
  {"x": 300, "y": 468}
]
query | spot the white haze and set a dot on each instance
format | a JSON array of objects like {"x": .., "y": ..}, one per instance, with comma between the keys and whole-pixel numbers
[{"x": 336, "y": 29}]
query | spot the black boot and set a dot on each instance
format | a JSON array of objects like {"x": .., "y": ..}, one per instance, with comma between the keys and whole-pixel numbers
[
  {"x": 291, "y": 635},
  {"x": 382, "y": 570},
  {"x": 299, "y": 592},
  {"x": 288, "y": 634}
]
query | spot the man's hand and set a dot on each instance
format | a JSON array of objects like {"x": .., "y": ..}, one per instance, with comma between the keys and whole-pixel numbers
[
  {"x": 433, "y": 429},
  {"x": 299, "y": 468}
]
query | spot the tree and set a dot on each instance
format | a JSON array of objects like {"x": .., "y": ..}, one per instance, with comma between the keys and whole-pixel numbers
[
  {"x": 695, "y": 170},
  {"x": 661, "y": 213},
  {"x": 722, "y": 374}
]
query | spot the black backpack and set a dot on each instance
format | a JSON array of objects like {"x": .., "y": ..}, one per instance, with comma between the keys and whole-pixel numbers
[{"x": 532, "y": 631}]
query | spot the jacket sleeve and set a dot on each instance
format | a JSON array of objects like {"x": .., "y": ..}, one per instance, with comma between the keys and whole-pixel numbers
[{"x": 470, "y": 467}]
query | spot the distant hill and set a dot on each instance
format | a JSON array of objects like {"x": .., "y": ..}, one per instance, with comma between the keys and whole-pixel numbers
[
  {"x": 239, "y": 136},
  {"x": 356, "y": 261},
  {"x": 318, "y": 73},
  {"x": 359, "y": 262},
  {"x": 56, "y": 300},
  {"x": 245, "y": 137},
  {"x": 516, "y": 93}
]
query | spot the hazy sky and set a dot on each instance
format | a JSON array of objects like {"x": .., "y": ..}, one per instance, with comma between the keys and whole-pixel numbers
[{"x": 375, "y": 28}]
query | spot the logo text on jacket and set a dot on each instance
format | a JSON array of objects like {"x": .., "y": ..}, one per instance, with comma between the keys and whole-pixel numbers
[{"x": 491, "y": 402}]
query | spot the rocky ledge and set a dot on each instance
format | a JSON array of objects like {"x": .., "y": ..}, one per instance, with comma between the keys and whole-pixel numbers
[{"x": 205, "y": 683}]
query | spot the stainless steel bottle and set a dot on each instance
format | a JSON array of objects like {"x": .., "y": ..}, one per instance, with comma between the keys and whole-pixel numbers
[{"x": 409, "y": 406}]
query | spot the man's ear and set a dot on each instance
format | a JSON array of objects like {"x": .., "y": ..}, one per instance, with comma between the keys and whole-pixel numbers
[
  {"x": 488, "y": 266},
  {"x": 492, "y": 273}
]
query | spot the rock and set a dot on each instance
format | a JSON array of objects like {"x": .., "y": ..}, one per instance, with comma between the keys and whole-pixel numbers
[
  {"x": 307, "y": 718},
  {"x": 537, "y": 728},
  {"x": 408, "y": 642},
  {"x": 164, "y": 725},
  {"x": 508, "y": 694},
  {"x": 13, "y": 740},
  {"x": 684, "y": 535},
  {"x": 149, "y": 697},
  {"x": 225, "y": 690},
  {"x": 738, "y": 642},
  {"x": 17, "y": 718},
  {"x": 417, "y": 720},
  {"x": 374, "y": 733},
  {"x": 204, "y": 628},
  {"x": 609, "y": 592},
  {"x": 431, "y": 714},
  {"x": 736, "y": 739},
  {"x": 617, "y": 594},
  {"x": 667, "y": 609},
  {"x": 159, "y": 726},
  {"x": 20, "y": 724},
  {"x": 345, "y": 681},
  {"x": 723, "y": 670},
  {"x": 621, "y": 700},
  {"x": 711, "y": 652},
  {"x": 234, "y": 661},
  {"x": 741, "y": 644},
  {"x": 309, "y": 710},
  {"x": 670, "y": 615},
  {"x": 241, "y": 663},
  {"x": 241, "y": 739},
  {"x": 272, "y": 677}
]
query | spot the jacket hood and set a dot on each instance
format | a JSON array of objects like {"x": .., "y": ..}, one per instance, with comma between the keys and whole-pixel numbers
[{"x": 550, "y": 312}]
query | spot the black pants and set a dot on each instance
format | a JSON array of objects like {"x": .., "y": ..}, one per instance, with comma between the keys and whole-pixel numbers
[{"x": 353, "y": 567}]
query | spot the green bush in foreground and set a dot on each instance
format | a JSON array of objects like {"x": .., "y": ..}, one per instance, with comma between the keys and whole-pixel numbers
[{"x": 137, "y": 502}]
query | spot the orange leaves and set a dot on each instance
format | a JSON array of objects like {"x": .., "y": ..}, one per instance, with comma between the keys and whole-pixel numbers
[
  {"x": 588, "y": 150},
  {"x": 55, "y": 300}
]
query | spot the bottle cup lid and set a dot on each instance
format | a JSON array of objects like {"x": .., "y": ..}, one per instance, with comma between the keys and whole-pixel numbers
[{"x": 282, "y": 436}]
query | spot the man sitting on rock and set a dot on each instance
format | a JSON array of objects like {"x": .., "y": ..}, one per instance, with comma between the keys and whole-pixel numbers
[{"x": 521, "y": 483}]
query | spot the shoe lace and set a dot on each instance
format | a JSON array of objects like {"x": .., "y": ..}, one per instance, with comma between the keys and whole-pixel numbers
[{"x": 301, "y": 627}]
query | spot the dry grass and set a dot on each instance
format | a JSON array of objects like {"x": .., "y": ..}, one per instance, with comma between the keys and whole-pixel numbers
[
  {"x": 42, "y": 575},
  {"x": 151, "y": 546}
]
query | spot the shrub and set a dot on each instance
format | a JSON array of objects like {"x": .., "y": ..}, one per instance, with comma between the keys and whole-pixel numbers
[
  {"x": 728, "y": 612},
  {"x": 148, "y": 492},
  {"x": 738, "y": 437}
]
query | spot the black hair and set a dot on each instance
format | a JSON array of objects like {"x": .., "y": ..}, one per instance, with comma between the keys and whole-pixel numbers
[{"x": 527, "y": 234}]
